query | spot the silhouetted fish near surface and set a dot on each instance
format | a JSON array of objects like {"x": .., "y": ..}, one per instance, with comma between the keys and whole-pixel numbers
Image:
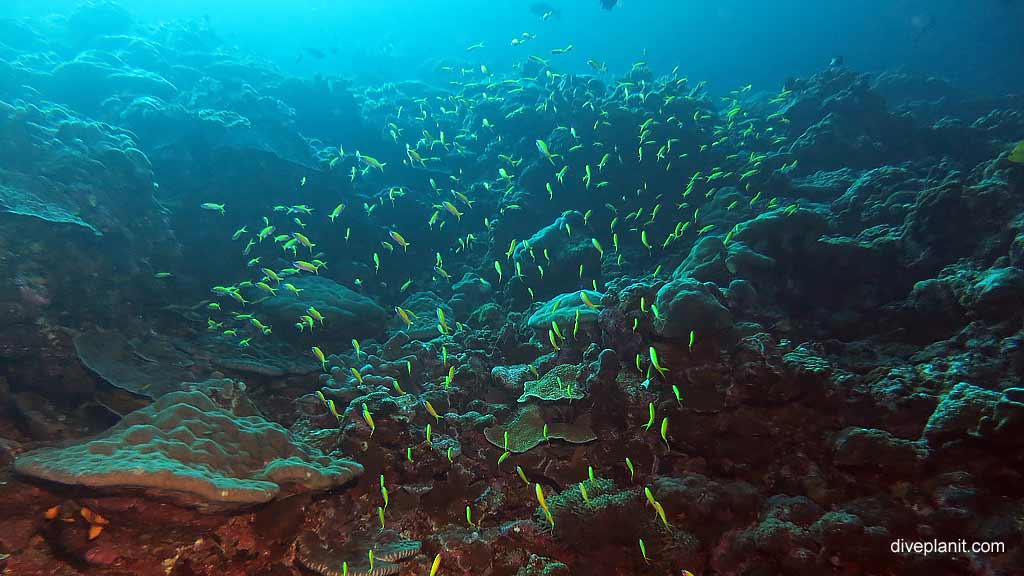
[
  {"x": 608, "y": 4},
  {"x": 543, "y": 10},
  {"x": 315, "y": 53}
]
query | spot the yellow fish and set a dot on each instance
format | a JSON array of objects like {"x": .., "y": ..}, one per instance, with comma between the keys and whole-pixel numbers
[
  {"x": 369, "y": 420},
  {"x": 316, "y": 314},
  {"x": 404, "y": 316},
  {"x": 654, "y": 362},
  {"x": 399, "y": 239},
  {"x": 441, "y": 321},
  {"x": 1017, "y": 156},
  {"x": 543, "y": 147},
  {"x": 586, "y": 300},
  {"x": 544, "y": 504},
  {"x": 452, "y": 209},
  {"x": 303, "y": 240},
  {"x": 370, "y": 161},
  {"x": 213, "y": 207},
  {"x": 430, "y": 409},
  {"x": 336, "y": 212}
]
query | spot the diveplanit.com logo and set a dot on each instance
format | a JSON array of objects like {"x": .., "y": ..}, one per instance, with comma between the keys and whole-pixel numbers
[{"x": 926, "y": 547}]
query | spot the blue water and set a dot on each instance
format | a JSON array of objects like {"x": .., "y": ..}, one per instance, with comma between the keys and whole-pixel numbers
[{"x": 974, "y": 44}]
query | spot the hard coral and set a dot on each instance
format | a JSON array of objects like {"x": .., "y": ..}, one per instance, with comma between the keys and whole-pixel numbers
[{"x": 187, "y": 449}]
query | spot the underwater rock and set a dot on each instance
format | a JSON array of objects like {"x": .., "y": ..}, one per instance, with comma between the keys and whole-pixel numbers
[
  {"x": 741, "y": 295},
  {"x": 777, "y": 234},
  {"x": 934, "y": 307},
  {"x": 93, "y": 76},
  {"x": 959, "y": 414},
  {"x": 63, "y": 169},
  {"x": 347, "y": 314},
  {"x": 847, "y": 536},
  {"x": 489, "y": 316},
  {"x": 186, "y": 449},
  {"x": 469, "y": 294},
  {"x": 706, "y": 262},
  {"x": 1007, "y": 423},
  {"x": 602, "y": 372},
  {"x": 880, "y": 196},
  {"x": 705, "y": 501},
  {"x": 98, "y": 18},
  {"x": 556, "y": 249},
  {"x": 952, "y": 218},
  {"x": 225, "y": 136},
  {"x": 151, "y": 366},
  {"x": 512, "y": 378},
  {"x": 563, "y": 309},
  {"x": 424, "y": 306},
  {"x": 836, "y": 141},
  {"x": 997, "y": 291},
  {"x": 785, "y": 523},
  {"x": 905, "y": 90},
  {"x": 688, "y": 305},
  {"x": 839, "y": 121},
  {"x": 878, "y": 451},
  {"x": 824, "y": 185},
  {"x": 744, "y": 262},
  {"x": 39, "y": 417}
]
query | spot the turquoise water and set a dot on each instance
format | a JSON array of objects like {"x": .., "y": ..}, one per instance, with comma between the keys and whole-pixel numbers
[{"x": 512, "y": 288}]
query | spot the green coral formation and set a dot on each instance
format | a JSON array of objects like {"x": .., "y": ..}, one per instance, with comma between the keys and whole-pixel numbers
[
  {"x": 187, "y": 449},
  {"x": 559, "y": 383},
  {"x": 576, "y": 520},
  {"x": 601, "y": 492},
  {"x": 526, "y": 431}
]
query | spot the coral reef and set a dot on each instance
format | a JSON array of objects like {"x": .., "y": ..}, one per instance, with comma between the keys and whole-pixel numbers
[
  {"x": 525, "y": 322},
  {"x": 185, "y": 448}
]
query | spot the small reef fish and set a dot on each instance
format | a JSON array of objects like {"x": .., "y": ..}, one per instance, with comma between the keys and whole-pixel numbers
[
  {"x": 544, "y": 504},
  {"x": 368, "y": 418},
  {"x": 370, "y": 161},
  {"x": 320, "y": 356},
  {"x": 220, "y": 208},
  {"x": 399, "y": 239}
]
